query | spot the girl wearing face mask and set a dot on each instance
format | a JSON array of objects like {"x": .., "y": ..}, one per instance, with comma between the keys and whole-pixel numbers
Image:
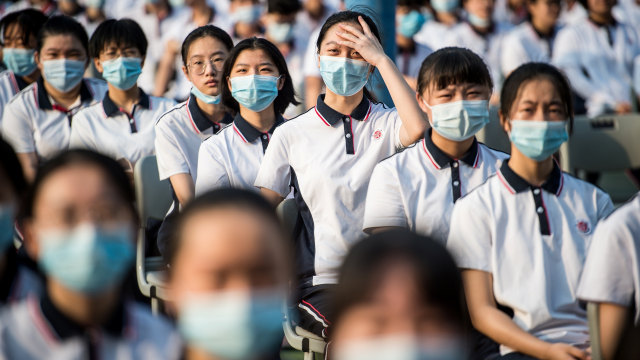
[
  {"x": 446, "y": 15},
  {"x": 229, "y": 274},
  {"x": 417, "y": 188},
  {"x": 258, "y": 88},
  {"x": 80, "y": 225},
  {"x": 329, "y": 152},
  {"x": 521, "y": 238},
  {"x": 122, "y": 125},
  {"x": 37, "y": 121},
  {"x": 181, "y": 130},
  {"x": 19, "y": 31},
  {"x": 245, "y": 19},
  {"x": 409, "y": 21},
  {"x": 399, "y": 297}
]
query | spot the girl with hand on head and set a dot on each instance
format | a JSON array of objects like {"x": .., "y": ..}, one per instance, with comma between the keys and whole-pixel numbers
[
  {"x": 521, "y": 238},
  {"x": 329, "y": 152}
]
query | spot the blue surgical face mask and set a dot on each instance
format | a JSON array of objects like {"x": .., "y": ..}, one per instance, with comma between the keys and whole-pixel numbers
[
  {"x": 96, "y": 4},
  {"x": 255, "y": 92},
  {"x": 20, "y": 61},
  {"x": 122, "y": 72},
  {"x": 344, "y": 76},
  {"x": 63, "y": 74},
  {"x": 233, "y": 325},
  {"x": 246, "y": 14},
  {"x": 207, "y": 99},
  {"x": 444, "y": 6},
  {"x": 459, "y": 120},
  {"x": 7, "y": 217},
  {"x": 176, "y": 3},
  {"x": 478, "y": 21},
  {"x": 280, "y": 32},
  {"x": 87, "y": 259},
  {"x": 409, "y": 24},
  {"x": 538, "y": 140},
  {"x": 401, "y": 347}
]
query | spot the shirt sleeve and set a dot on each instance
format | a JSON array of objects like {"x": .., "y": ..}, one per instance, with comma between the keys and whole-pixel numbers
[
  {"x": 17, "y": 128},
  {"x": 384, "y": 206},
  {"x": 169, "y": 156},
  {"x": 516, "y": 56},
  {"x": 275, "y": 170},
  {"x": 212, "y": 173},
  {"x": 469, "y": 238}
]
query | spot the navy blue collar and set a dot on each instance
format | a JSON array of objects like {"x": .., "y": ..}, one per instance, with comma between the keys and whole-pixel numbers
[
  {"x": 443, "y": 160},
  {"x": 249, "y": 132},
  {"x": 331, "y": 116},
  {"x": 43, "y": 96},
  {"x": 110, "y": 108},
  {"x": 20, "y": 82},
  {"x": 553, "y": 184},
  {"x": 200, "y": 119}
]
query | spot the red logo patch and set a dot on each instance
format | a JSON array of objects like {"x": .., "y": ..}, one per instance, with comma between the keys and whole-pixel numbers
[
  {"x": 583, "y": 227},
  {"x": 377, "y": 134}
]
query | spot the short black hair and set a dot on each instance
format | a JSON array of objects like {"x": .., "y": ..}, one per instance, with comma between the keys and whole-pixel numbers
[
  {"x": 436, "y": 273},
  {"x": 216, "y": 199},
  {"x": 285, "y": 7},
  {"x": 123, "y": 33},
  {"x": 453, "y": 65},
  {"x": 532, "y": 71},
  {"x": 63, "y": 25},
  {"x": 205, "y": 31},
  {"x": 12, "y": 170},
  {"x": 286, "y": 95},
  {"x": 29, "y": 21}
]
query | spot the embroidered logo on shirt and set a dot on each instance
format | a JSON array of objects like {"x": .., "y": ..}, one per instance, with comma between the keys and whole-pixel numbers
[
  {"x": 583, "y": 226},
  {"x": 377, "y": 134}
]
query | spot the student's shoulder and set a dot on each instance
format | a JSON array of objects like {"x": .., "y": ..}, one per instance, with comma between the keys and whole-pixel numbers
[
  {"x": 483, "y": 195},
  {"x": 6, "y": 76},
  {"x": 297, "y": 122},
  {"x": 26, "y": 96},
  {"x": 155, "y": 329},
  {"x": 221, "y": 137},
  {"x": 581, "y": 187},
  {"x": 161, "y": 102},
  {"x": 402, "y": 158},
  {"x": 96, "y": 84},
  {"x": 88, "y": 112},
  {"x": 492, "y": 153},
  {"x": 172, "y": 116}
]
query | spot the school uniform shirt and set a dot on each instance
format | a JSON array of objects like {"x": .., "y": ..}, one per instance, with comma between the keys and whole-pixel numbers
[
  {"x": 10, "y": 84},
  {"x": 310, "y": 67},
  {"x": 106, "y": 128},
  {"x": 18, "y": 280},
  {"x": 612, "y": 271},
  {"x": 433, "y": 34},
  {"x": 328, "y": 158},
  {"x": 232, "y": 158},
  {"x": 573, "y": 15},
  {"x": 600, "y": 62},
  {"x": 628, "y": 12},
  {"x": 295, "y": 64},
  {"x": 416, "y": 188},
  {"x": 33, "y": 123},
  {"x": 409, "y": 62},
  {"x": 35, "y": 329},
  {"x": 179, "y": 133},
  {"x": 533, "y": 241},
  {"x": 524, "y": 44}
]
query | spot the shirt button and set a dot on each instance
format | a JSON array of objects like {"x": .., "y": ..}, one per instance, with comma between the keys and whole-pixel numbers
[
  {"x": 348, "y": 136},
  {"x": 540, "y": 210},
  {"x": 346, "y": 119},
  {"x": 456, "y": 183},
  {"x": 455, "y": 164},
  {"x": 536, "y": 191},
  {"x": 264, "y": 137}
]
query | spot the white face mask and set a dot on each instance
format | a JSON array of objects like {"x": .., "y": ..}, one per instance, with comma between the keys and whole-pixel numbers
[
  {"x": 401, "y": 347},
  {"x": 459, "y": 120}
]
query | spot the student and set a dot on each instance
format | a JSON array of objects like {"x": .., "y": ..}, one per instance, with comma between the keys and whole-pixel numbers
[
  {"x": 181, "y": 130},
  {"x": 245, "y": 19},
  {"x": 122, "y": 125},
  {"x": 19, "y": 31},
  {"x": 510, "y": 11},
  {"x": 399, "y": 296},
  {"x": 329, "y": 152},
  {"x": 258, "y": 88},
  {"x": 417, "y": 188},
  {"x": 37, "y": 121},
  {"x": 532, "y": 41},
  {"x": 229, "y": 274},
  {"x": 409, "y": 20},
  {"x": 601, "y": 57},
  {"x": 611, "y": 274},
  {"x": 80, "y": 226},
  {"x": 445, "y": 17},
  {"x": 521, "y": 237}
]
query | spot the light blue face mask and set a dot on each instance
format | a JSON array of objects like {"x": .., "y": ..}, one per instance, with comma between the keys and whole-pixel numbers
[
  {"x": 409, "y": 24},
  {"x": 96, "y": 4},
  {"x": 478, "y": 21},
  {"x": 63, "y": 74},
  {"x": 344, "y": 76},
  {"x": 444, "y": 6},
  {"x": 459, "y": 120},
  {"x": 122, "y": 72},
  {"x": 7, "y": 217},
  {"x": 176, "y": 3},
  {"x": 255, "y": 92},
  {"x": 233, "y": 325},
  {"x": 246, "y": 14},
  {"x": 280, "y": 32},
  {"x": 400, "y": 347},
  {"x": 207, "y": 99},
  {"x": 87, "y": 259},
  {"x": 538, "y": 140},
  {"x": 20, "y": 61}
]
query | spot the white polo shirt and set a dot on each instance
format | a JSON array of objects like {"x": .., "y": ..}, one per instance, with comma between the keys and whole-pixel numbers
[
  {"x": 524, "y": 44},
  {"x": 233, "y": 157},
  {"x": 600, "y": 62},
  {"x": 612, "y": 271},
  {"x": 328, "y": 158},
  {"x": 106, "y": 128},
  {"x": 433, "y": 34},
  {"x": 533, "y": 241},
  {"x": 179, "y": 133},
  {"x": 35, "y": 329},
  {"x": 31, "y": 123},
  {"x": 10, "y": 84},
  {"x": 409, "y": 63},
  {"x": 416, "y": 188}
]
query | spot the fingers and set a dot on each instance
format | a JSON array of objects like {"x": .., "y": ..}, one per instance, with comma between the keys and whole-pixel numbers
[
  {"x": 347, "y": 36},
  {"x": 577, "y": 353},
  {"x": 351, "y": 29},
  {"x": 365, "y": 26}
]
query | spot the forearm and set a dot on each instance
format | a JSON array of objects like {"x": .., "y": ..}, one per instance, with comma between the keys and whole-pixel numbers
[
  {"x": 29, "y": 163},
  {"x": 613, "y": 319},
  {"x": 183, "y": 187}
]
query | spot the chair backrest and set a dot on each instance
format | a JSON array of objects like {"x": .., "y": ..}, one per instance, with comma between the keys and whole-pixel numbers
[
  {"x": 288, "y": 213},
  {"x": 593, "y": 316},
  {"x": 153, "y": 197},
  {"x": 605, "y": 143}
]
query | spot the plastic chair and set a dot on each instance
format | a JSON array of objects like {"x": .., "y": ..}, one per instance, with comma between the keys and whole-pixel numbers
[
  {"x": 153, "y": 199},
  {"x": 593, "y": 316},
  {"x": 299, "y": 338}
]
